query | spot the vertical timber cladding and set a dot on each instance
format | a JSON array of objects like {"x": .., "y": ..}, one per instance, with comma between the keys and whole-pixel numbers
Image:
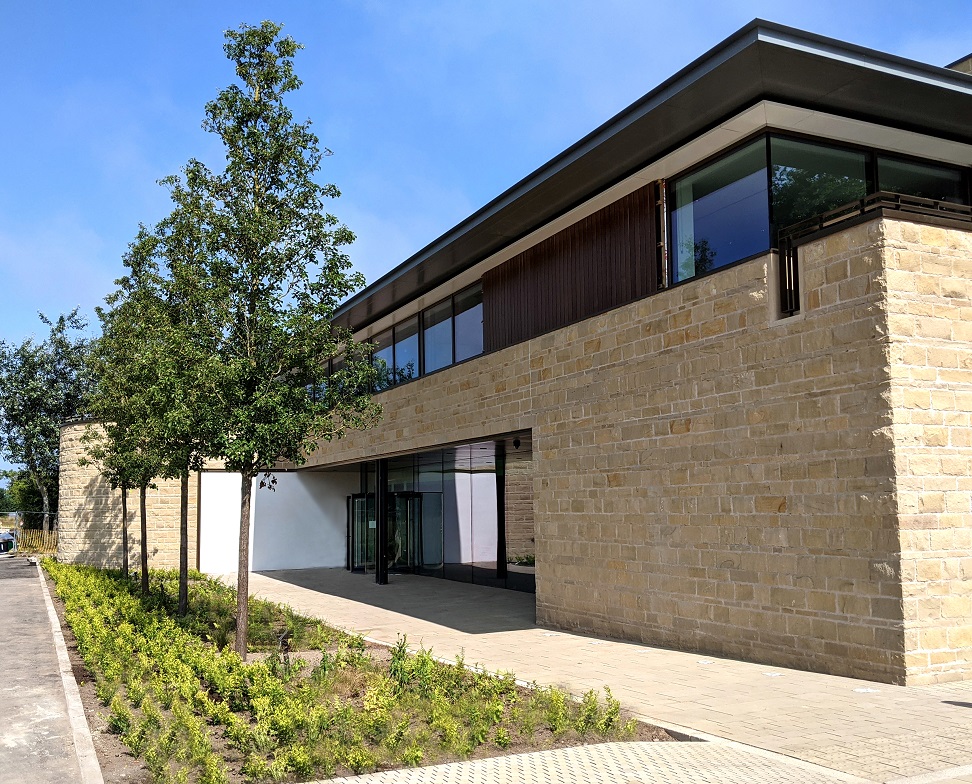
[{"x": 601, "y": 262}]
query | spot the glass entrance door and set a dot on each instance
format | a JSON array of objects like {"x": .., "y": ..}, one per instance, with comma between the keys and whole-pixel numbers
[
  {"x": 364, "y": 530},
  {"x": 404, "y": 531}
]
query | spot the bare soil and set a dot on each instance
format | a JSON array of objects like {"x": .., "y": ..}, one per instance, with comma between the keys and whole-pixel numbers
[{"x": 118, "y": 766}]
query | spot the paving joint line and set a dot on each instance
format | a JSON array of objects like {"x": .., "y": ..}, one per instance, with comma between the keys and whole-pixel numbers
[
  {"x": 690, "y": 734},
  {"x": 81, "y": 733},
  {"x": 935, "y": 776},
  {"x": 684, "y": 733}
]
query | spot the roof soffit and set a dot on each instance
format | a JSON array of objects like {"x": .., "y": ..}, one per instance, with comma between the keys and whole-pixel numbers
[{"x": 761, "y": 61}]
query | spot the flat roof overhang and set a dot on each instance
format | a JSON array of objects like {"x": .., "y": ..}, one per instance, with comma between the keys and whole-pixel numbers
[{"x": 763, "y": 61}]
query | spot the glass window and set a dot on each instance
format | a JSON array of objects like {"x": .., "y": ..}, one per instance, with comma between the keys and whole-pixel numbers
[
  {"x": 335, "y": 374},
  {"x": 384, "y": 359},
  {"x": 437, "y": 336},
  {"x": 721, "y": 213},
  {"x": 406, "y": 350},
  {"x": 920, "y": 179},
  {"x": 809, "y": 179},
  {"x": 469, "y": 323}
]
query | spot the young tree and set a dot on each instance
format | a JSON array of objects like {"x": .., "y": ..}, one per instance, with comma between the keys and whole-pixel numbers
[
  {"x": 266, "y": 281},
  {"x": 42, "y": 384},
  {"x": 125, "y": 366}
]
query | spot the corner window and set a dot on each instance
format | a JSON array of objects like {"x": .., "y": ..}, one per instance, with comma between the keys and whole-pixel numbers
[
  {"x": 809, "y": 179},
  {"x": 920, "y": 179},
  {"x": 721, "y": 213}
]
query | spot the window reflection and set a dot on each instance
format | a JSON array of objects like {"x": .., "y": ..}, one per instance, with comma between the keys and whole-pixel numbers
[
  {"x": 469, "y": 323},
  {"x": 721, "y": 213},
  {"x": 384, "y": 360},
  {"x": 431, "y": 340},
  {"x": 437, "y": 333},
  {"x": 809, "y": 179},
  {"x": 406, "y": 350},
  {"x": 920, "y": 179}
]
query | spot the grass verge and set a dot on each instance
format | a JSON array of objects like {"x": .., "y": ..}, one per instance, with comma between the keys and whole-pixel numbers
[{"x": 194, "y": 712}]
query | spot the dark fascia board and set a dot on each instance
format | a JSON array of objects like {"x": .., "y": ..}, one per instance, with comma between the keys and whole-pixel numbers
[{"x": 762, "y": 61}]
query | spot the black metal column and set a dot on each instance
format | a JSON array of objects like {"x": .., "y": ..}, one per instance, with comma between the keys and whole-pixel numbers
[
  {"x": 500, "y": 511},
  {"x": 381, "y": 518},
  {"x": 347, "y": 552}
]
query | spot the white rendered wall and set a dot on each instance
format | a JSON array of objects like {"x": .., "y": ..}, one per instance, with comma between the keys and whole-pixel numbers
[
  {"x": 302, "y": 523},
  {"x": 219, "y": 522}
]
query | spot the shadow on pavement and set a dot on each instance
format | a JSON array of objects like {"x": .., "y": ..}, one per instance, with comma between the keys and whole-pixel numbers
[{"x": 473, "y": 609}]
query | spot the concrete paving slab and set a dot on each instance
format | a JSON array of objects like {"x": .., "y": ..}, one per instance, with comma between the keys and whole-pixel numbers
[
  {"x": 613, "y": 763},
  {"x": 852, "y": 726}
]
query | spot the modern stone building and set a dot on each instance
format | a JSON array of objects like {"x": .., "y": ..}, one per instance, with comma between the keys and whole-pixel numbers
[{"x": 711, "y": 367}]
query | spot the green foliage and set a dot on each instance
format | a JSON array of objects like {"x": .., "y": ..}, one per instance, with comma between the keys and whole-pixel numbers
[
  {"x": 242, "y": 279},
  {"x": 128, "y": 363},
  {"x": 120, "y": 718},
  {"x": 413, "y": 756},
  {"x": 523, "y": 560},
  {"x": 799, "y": 193},
  {"x": 169, "y": 691},
  {"x": 21, "y": 495},
  {"x": 42, "y": 384},
  {"x": 273, "y": 271}
]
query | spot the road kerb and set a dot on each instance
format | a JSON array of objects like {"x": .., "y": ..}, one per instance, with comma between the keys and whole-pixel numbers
[{"x": 83, "y": 742}]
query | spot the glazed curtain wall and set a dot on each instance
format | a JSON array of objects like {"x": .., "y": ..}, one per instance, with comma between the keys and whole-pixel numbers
[{"x": 733, "y": 208}]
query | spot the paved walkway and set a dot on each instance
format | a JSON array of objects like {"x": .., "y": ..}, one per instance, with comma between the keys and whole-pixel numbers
[
  {"x": 611, "y": 763},
  {"x": 852, "y": 729},
  {"x": 44, "y": 736}
]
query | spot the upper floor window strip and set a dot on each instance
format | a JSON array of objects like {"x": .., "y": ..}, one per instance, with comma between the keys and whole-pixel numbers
[
  {"x": 443, "y": 334},
  {"x": 733, "y": 208}
]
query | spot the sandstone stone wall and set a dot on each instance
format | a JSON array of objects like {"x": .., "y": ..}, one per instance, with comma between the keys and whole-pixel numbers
[
  {"x": 89, "y": 515},
  {"x": 519, "y": 508},
  {"x": 706, "y": 475},
  {"x": 929, "y": 277}
]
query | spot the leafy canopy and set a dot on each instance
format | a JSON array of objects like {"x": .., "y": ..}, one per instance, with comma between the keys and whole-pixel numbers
[
  {"x": 42, "y": 384},
  {"x": 125, "y": 363},
  {"x": 256, "y": 263}
]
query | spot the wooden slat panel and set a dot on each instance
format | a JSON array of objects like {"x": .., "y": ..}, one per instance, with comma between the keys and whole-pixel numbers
[{"x": 599, "y": 263}]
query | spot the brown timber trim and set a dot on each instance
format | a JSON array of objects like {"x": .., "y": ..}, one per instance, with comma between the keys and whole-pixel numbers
[{"x": 601, "y": 262}]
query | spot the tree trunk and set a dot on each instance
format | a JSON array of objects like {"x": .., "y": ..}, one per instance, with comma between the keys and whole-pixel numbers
[
  {"x": 124, "y": 490},
  {"x": 144, "y": 523},
  {"x": 184, "y": 545},
  {"x": 243, "y": 566},
  {"x": 45, "y": 500}
]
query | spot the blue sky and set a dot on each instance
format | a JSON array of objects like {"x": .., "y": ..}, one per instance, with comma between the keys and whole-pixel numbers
[{"x": 431, "y": 108}]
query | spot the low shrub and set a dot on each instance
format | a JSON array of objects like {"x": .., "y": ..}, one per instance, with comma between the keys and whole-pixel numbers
[{"x": 171, "y": 685}]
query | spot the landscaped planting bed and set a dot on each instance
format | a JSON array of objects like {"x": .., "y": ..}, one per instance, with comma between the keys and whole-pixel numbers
[{"x": 192, "y": 710}]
